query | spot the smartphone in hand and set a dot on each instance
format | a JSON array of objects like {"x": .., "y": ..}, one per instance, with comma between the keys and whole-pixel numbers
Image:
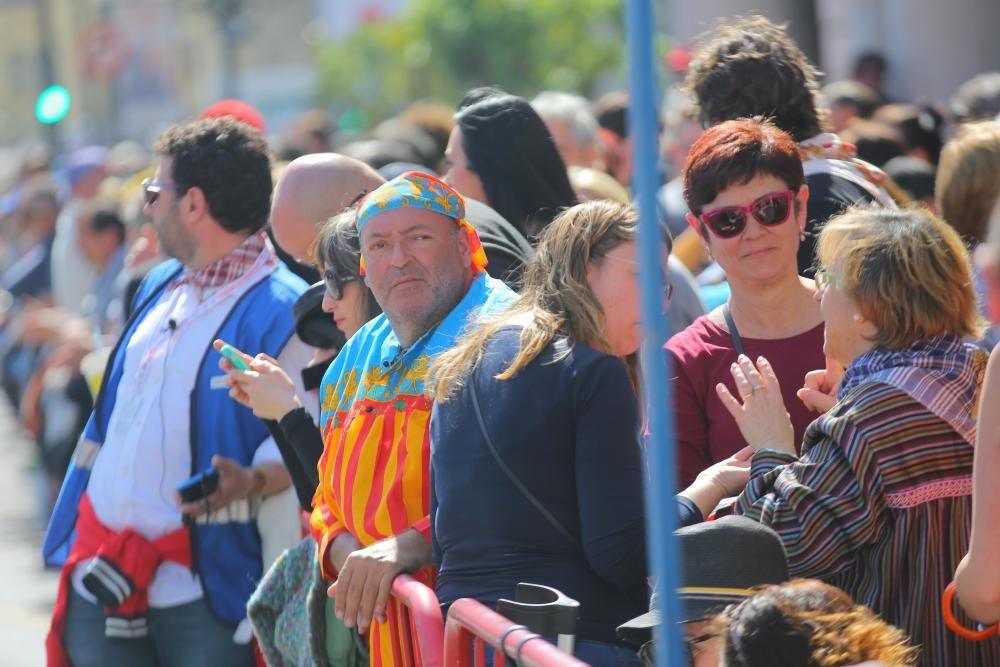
[
  {"x": 231, "y": 353},
  {"x": 200, "y": 486}
]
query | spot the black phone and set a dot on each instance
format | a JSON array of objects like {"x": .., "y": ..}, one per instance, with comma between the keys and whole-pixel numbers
[{"x": 200, "y": 486}]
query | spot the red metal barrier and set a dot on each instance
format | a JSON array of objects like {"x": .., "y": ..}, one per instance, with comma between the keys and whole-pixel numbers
[
  {"x": 471, "y": 626},
  {"x": 415, "y": 625}
]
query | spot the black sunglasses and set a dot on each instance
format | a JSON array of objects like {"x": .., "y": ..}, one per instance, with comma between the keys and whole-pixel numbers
[
  {"x": 335, "y": 283},
  {"x": 151, "y": 189},
  {"x": 729, "y": 221}
]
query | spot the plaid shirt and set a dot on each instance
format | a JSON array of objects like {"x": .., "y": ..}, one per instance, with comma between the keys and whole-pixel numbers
[{"x": 226, "y": 269}]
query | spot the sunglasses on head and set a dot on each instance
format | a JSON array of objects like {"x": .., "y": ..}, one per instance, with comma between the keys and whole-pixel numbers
[
  {"x": 335, "y": 283},
  {"x": 151, "y": 189},
  {"x": 729, "y": 221}
]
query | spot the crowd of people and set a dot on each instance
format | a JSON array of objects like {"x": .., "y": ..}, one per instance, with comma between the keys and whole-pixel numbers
[{"x": 266, "y": 379}]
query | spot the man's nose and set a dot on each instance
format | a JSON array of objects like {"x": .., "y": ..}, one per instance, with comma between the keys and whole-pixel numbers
[{"x": 399, "y": 255}]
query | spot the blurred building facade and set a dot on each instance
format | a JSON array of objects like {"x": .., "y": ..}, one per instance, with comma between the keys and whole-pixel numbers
[
  {"x": 931, "y": 46},
  {"x": 134, "y": 66}
]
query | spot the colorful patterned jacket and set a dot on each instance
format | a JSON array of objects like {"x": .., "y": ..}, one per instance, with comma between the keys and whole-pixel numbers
[{"x": 375, "y": 468}]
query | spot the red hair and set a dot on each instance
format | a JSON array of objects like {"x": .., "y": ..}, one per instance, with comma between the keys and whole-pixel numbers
[{"x": 733, "y": 153}]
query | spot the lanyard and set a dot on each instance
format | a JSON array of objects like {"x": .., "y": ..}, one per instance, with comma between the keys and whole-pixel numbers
[
  {"x": 734, "y": 333},
  {"x": 165, "y": 334}
]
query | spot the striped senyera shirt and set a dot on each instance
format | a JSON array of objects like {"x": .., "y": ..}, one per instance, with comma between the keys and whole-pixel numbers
[{"x": 374, "y": 474}]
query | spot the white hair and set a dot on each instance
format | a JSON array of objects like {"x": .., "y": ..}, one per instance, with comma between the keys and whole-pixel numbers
[{"x": 573, "y": 110}]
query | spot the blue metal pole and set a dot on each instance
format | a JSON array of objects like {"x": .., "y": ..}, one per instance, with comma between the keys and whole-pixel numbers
[{"x": 661, "y": 509}]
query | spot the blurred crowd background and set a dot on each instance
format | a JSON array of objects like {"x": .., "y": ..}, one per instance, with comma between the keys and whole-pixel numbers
[
  {"x": 89, "y": 84},
  {"x": 134, "y": 67}
]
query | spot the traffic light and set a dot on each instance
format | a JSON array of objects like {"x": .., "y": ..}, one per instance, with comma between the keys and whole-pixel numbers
[{"x": 53, "y": 104}]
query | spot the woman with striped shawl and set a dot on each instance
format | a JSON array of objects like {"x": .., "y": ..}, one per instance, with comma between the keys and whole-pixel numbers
[{"x": 879, "y": 501}]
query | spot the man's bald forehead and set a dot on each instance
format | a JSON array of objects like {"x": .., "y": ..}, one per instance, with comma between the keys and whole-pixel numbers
[
  {"x": 312, "y": 189},
  {"x": 320, "y": 185}
]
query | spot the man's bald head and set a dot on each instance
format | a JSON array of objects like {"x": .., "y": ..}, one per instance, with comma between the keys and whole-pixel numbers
[{"x": 312, "y": 189}]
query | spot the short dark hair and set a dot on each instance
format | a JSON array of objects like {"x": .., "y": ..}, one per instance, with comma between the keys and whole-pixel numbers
[
  {"x": 611, "y": 112},
  {"x": 860, "y": 96},
  {"x": 750, "y": 67},
  {"x": 478, "y": 95},
  {"x": 876, "y": 142},
  {"x": 915, "y": 175},
  {"x": 918, "y": 125},
  {"x": 733, "y": 153},
  {"x": 508, "y": 146},
  {"x": 870, "y": 60},
  {"x": 104, "y": 217},
  {"x": 228, "y": 161}
]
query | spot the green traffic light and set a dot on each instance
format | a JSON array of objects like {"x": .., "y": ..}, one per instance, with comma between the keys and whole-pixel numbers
[{"x": 53, "y": 104}]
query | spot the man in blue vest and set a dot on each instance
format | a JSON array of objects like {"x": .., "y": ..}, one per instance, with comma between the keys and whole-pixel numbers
[{"x": 143, "y": 583}]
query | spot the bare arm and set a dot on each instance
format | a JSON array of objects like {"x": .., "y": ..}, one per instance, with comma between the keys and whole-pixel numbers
[
  {"x": 365, "y": 575},
  {"x": 724, "y": 479},
  {"x": 978, "y": 575},
  {"x": 237, "y": 482}
]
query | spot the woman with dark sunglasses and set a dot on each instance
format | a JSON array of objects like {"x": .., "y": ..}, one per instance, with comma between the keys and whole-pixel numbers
[
  {"x": 268, "y": 391},
  {"x": 266, "y": 388},
  {"x": 745, "y": 188}
]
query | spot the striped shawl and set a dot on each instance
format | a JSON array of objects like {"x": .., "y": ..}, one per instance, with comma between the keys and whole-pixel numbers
[{"x": 879, "y": 502}]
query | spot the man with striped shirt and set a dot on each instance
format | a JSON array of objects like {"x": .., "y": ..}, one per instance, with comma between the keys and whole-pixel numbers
[{"x": 426, "y": 267}]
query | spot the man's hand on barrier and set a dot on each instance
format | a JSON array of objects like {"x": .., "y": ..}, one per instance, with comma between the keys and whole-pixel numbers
[{"x": 364, "y": 582}]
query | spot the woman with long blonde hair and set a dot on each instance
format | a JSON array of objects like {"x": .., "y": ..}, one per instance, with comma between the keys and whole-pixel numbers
[{"x": 535, "y": 457}]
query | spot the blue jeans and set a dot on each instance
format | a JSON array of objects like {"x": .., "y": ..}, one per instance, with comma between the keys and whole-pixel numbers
[
  {"x": 188, "y": 634},
  {"x": 595, "y": 653}
]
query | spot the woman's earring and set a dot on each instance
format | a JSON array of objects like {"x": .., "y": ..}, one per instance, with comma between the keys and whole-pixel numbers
[
  {"x": 802, "y": 235},
  {"x": 856, "y": 317}
]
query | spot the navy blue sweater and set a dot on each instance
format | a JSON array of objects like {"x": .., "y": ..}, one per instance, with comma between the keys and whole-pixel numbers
[{"x": 569, "y": 430}]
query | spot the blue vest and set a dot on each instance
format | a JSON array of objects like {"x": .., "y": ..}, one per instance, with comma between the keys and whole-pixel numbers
[{"x": 227, "y": 556}]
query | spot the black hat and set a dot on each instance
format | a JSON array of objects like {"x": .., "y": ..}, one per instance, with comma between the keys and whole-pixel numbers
[
  {"x": 723, "y": 561},
  {"x": 313, "y": 326}
]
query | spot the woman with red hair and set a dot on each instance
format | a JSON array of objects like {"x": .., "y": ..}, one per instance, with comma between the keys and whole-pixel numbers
[{"x": 745, "y": 188}]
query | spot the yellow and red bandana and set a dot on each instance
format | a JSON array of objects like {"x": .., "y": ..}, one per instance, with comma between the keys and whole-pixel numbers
[{"x": 419, "y": 190}]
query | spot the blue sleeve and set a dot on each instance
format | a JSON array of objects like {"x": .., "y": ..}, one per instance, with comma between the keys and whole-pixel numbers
[
  {"x": 609, "y": 473},
  {"x": 688, "y": 513}
]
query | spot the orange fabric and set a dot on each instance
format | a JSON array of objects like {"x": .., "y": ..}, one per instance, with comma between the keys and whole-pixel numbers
[{"x": 375, "y": 483}]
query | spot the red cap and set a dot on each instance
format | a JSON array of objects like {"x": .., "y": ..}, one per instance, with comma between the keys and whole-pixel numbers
[
  {"x": 678, "y": 58},
  {"x": 238, "y": 110}
]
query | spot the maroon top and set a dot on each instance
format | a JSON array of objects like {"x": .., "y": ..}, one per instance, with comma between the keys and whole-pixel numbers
[{"x": 700, "y": 357}]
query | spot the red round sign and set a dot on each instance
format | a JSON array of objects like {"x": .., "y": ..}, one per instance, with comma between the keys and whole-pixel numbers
[{"x": 101, "y": 51}]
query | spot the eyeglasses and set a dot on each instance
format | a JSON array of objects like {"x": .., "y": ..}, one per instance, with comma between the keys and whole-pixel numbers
[
  {"x": 729, "y": 221},
  {"x": 151, "y": 189},
  {"x": 826, "y": 279},
  {"x": 691, "y": 644},
  {"x": 668, "y": 289},
  {"x": 335, "y": 283}
]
